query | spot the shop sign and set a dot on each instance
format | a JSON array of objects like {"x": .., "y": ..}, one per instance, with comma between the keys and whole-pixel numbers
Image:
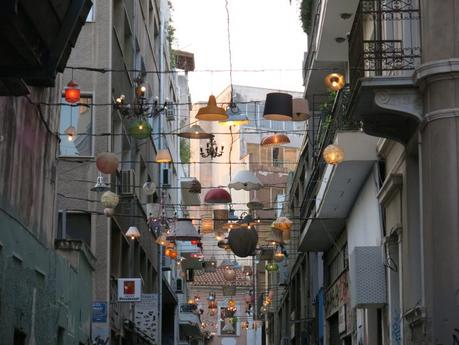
[{"x": 129, "y": 290}]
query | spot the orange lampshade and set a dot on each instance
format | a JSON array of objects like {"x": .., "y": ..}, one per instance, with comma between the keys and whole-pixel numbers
[
  {"x": 211, "y": 112},
  {"x": 274, "y": 140},
  {"x": 335, "y": 81},
  {"x": 72, "y": 92},
  {"x": 333, "y": 154}
]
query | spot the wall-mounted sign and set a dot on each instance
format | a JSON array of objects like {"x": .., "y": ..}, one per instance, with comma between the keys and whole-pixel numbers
[
  {"x": 146, "y": 315},
  {"x": 99, "y": 312},
  {"x": 129, "y": 290}
]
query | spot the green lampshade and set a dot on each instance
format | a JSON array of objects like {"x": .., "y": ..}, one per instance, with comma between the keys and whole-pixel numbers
[
  {"x": 272, "y": 267},
  {"x": 139, "y": 129}
]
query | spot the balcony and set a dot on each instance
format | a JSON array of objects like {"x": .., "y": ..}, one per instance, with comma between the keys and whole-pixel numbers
[
  {"x": 36, "y": 40},
  {"x": 385, "y": 98},
  {"x": 189, "y": 321},
  {"x": 331, "y": 190}
]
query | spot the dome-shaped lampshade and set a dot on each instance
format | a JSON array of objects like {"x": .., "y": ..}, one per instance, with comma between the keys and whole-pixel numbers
[
  {"x": 211, "y": 112},
  {"x": 184, "y": 230},
  {"x": 334, "y": 81},
  {"x": 245, "y": 180},
  {"x": 333, "y": 154},
  {"x": 100, "y": 185},
  {"x": 235, "y": 117},
  {"x": 274, "y": 140},
  {"x": 139, "y": 129},
  {"x": 231, "y": 225},
  {"x": 163, "y": 156},
  {"x": 300, "y": 109},
  {"x": 229, "y": 273},
  {"x": 278, "y": 107},
  {"x": 195, "y": 132},
  {"x": 217, "y": 196},
  {"x": 282, "y": 223},
  {"x": 255, "y": 204},
  {"x": 109, "y": 199},
  {"x": 107, "y": 162},
  {"x": 133, "y": 233}
]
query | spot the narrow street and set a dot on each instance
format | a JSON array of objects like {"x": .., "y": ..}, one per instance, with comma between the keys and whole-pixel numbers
[{"x": 228, "y": 172}]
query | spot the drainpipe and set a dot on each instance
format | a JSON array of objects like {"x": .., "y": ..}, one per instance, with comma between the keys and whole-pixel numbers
[{"x": 421, "y": 219}]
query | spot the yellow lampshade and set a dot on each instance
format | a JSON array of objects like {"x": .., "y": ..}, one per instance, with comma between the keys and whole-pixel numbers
[
  {"x": 211, "y": 112},
  {"x": 335, "y": 81},
  {"x": 163, "y": 156},
  {"x": 333, "y": 154}
]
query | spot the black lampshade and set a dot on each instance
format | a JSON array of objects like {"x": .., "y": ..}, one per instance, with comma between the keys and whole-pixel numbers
[{"x": 278, "y": 107}]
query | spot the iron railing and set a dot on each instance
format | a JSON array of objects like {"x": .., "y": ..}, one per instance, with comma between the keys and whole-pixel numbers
[
  {"x": 385, "y": 38},
  {"x": 331, "y": 119}
]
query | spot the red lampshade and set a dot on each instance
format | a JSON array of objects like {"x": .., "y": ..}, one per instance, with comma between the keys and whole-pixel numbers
[
  {"x": 217, "y": 196},
  {"x": 72, "y": 92},
  {"x": 194, "y": 242}
]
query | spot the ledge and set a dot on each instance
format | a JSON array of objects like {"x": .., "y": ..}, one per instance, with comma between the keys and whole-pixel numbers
[
  {"x": 392, "y": 184},
  {"x": 389, "y": 107},
  {"x": 76, "y": 245}
]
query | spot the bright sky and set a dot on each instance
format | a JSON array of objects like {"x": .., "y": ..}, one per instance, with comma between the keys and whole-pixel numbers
[{"x": 265, "y": 34}]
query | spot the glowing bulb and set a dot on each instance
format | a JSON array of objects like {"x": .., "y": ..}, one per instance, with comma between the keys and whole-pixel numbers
[
  {"x": 140, "y": 126},
  {"x": 70, "y": 131},
  {"x": 143, "y": 88},
  {"x": 132, "y": 238}
]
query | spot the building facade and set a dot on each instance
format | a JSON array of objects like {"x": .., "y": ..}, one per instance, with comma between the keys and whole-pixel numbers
[{"x": 368, "y": 223}]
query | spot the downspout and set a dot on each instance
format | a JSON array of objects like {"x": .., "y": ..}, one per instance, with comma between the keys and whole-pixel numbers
[{"x": 421, "y": 219}]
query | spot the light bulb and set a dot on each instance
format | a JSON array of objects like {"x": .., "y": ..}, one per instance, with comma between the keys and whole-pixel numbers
[{"x": 140, "y": 126}]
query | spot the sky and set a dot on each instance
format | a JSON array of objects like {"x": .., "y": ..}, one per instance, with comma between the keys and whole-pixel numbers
[{"x": 264, "y": 35}]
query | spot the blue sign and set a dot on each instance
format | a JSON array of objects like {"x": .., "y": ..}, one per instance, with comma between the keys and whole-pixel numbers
[{"x": 99, "y": 312}]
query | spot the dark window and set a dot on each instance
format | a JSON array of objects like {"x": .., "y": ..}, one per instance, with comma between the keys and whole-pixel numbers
[
  {"x": 19, "y": 337},
  {"x": 75, "y": 226},
  {"x": 276, "y": 157}
]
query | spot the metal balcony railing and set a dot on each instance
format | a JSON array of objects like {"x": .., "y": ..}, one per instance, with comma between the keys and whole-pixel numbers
[
  {"x": 330, "y": 118},
  {"x": 385, "y": 38}
]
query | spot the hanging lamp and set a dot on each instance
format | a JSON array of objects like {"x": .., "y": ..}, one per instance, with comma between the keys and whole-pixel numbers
[
  {"x": 275, "y": 237},
  {"x": 246, "y": 180},
  {"x": 333, "y": 154},
  {"x": 207, "y": 225},
  {"x": 334, "y": 81},
  {"x": 217, "y": 196},
  {"x": 100, "y": 185},
  {"x": 235, "y": 117},
  {"x": 72, "y": 92},
  {"x": 133, "y": 233},
  {"x": 162, "y": 240},
  {"x": 107, "y": 162},
  {"x": 275, "y": 140},
  {"x": 211, "y": 112},
  {"x": 149, "y": 187},
  {"x": 163, "y": 156},
  {"x": 183, "y": 230},
  {"x": 278, "y": 107},
  {"x": 139, "y": 129},
  {"x": 272, "y": 267},
  {"x": 282, "y": 223},
  {"x": 255, "y": 204},
  {"x": 109, "y": 199},
  {"x": 300, "y": 109},
  {"x": 194, "y": 132}
]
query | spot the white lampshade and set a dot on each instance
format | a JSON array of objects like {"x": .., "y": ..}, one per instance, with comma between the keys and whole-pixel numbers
[
  {"x": 183, "y": 230},
  {"x": 133, "y": 233},
  {"x": 109, "y": 199},
  {"x": 245, "y": 180},
  {"x": 163, "y": 156},
  {"x": 300, "y": 109}
]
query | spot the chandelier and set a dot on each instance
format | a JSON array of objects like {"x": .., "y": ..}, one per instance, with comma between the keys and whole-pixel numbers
[{"x": 212, "y": 149}]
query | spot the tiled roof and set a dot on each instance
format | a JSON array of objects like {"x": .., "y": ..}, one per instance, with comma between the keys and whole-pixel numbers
[{"x": 216, "y": 278}]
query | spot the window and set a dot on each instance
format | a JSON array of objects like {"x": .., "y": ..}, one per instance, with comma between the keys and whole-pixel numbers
[
  {"x": 91, "y": 15},
  {"x": 79, "y": 120},
  {"x": 75, "y": 226},
  {"x": 276, "y": 157},
  {"x": 19, "y": 337}
]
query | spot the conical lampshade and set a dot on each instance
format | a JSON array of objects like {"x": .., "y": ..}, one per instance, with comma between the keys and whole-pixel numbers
[
  {"x": 235, "y": 117},
  {"x": 245, "y": 180},
  {"x": 217, "y": 196},
  {"x": 278, "y": 107},
  {"x": 133, "y": 233},
  {"x": 300, "y": 109},
  {"x": 274, "y": 140},
  {"x": 184, "y": 230},
  {"x": 211, "y": 112},
  {"x": 163, "y": 156},
  {"x": 195, "y": 132}
]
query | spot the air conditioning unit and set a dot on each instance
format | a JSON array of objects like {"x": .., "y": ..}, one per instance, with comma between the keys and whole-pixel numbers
[
  {"x": 170, "y": 113},
  {"x": 127, "y": 182}
]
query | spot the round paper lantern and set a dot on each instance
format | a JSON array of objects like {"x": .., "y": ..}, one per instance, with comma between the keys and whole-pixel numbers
[
  {"x": 333, "y": 154},
  {"x": 243, "y": 241},
  {"x": 109, "y": 199},
  {"x": 139, "y": 129},
  {"x": 207, "y": 225},
  {"x": 229, "y": 274},
  {"x": 107, "y": 162},
  {"x": 72, "y": 92}
]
